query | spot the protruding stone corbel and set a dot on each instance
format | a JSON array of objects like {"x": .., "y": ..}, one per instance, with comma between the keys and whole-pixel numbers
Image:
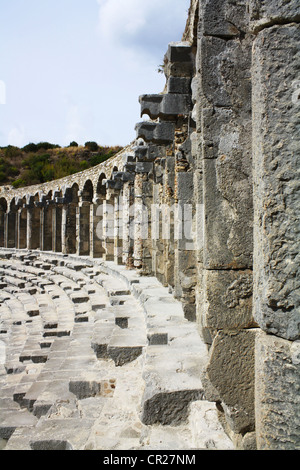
[
  {"x": 167, "y": 106},
  {"x": 157, "y": 132}
]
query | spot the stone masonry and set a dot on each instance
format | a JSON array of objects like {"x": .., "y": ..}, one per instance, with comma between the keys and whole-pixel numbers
[{"x": 204, "y": 204}]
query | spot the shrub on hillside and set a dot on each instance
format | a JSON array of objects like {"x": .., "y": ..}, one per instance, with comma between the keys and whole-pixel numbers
[
  {"x": 40, "y": 146},
  {"x": 91, "y": 146}
]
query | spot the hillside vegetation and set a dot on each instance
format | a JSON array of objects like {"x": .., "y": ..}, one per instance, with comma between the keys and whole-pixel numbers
[{"x": 39, "y": 163}]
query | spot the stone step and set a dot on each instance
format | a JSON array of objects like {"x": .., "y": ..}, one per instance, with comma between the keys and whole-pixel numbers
[
  {"x": 113, "y": 287},
  {"x": 172, "y": 368},
  {"x": 10, "y": 420},
  {"x": 122, "y": 351}
]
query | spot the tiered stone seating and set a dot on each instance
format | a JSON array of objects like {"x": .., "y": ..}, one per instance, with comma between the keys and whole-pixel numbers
[{"x": 96, "y": 357}]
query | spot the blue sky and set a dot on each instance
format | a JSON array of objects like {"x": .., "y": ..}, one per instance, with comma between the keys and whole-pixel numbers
[{"x": 74, "y": 69}]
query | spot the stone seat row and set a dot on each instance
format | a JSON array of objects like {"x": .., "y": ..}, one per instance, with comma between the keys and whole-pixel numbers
[
  {"x": 24, "y": 390},
  {"x": 129, "y": 318},
  {"x": 49, "y": 381},
  {"x": 84, "y": 301},
  {"x": 171, "y": 350}
]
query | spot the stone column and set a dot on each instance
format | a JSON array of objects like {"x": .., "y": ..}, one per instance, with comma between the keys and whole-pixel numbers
[
  {"x": 2, "y": 227},
  {"x": 21, "y": 228},
  {"x": 29, "y": 238},
  {"x": 147, "y": 192},
  {"x": 223, "y": 64},
  {"x": 10, "y": 229},
  {"x": 157, "y": 243},
  {"x": 138, "y": 222},
  {"x": 276, "y": 150},
  {"x": 46, "y": 227},
  {"x": 185, "y": 247},
  {"x": 56, "y": 227},
  {"x": 108, "y": 229},
  {"x": 118, "y": 229},
  {"x": 68, "y": 226},
  {"x": 33, "y": 226},
  {"x": 96, "y": 217},
  {"x": 83, "y": 230},
  {"x": 168, "y": 215},
  {"x": 127, "y": 235}
]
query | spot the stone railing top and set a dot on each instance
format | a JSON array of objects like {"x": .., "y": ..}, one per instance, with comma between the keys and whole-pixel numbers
[{"x": 62, "y": 184}]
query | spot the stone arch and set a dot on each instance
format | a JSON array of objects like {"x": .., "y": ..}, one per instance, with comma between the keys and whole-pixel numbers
[
  {"x": 88, "y": 191},
  {"x": 101, "y": 188}
]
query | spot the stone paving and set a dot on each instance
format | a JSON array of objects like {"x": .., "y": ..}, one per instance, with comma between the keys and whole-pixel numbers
[{"x": 94, "y": 357}]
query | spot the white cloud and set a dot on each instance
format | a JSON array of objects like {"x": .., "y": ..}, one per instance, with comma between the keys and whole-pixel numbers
[
  {"x": 93, "y": 89},
  {"x": 143, "y": 25}
]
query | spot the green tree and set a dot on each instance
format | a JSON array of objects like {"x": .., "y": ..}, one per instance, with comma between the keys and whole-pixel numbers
[{"x": 92, "y": 146}]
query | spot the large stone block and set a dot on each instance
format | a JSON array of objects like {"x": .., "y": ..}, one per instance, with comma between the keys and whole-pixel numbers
[
  {"x": 219, "y": 18},
  {"x": 228, "y": 299},
  {"x": 179, "y": 85},
  {"x": 264, "y": 13},
  {"x": 228, "y": 213},
  {"x": 277, "y": 383},
  {"x": 276, "y": 151},
  {"x": 179, "y": 60},
  {"x": 230, "y": 377},
  {"x": 179, "y": 52},
  {"x": 225, "y": 72}
]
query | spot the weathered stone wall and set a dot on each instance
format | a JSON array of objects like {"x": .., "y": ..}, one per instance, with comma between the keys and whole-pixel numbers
[
  {"x": 206, "y": 200},
  {"x": 276, "y": 130}
]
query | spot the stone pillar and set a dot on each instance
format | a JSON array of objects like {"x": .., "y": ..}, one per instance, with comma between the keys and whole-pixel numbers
[
  {"x": 127, "y": 216},
  {"x": 157, "y": 226},
  {"x": 68, "y": 227},
  {"x": 118, "y": 229},
  {"x": 276, "y": 150},
  {"x": 168, "y": 219},
  {"x": 138, "y": 222},
  {"x": 108, "y": 229},
  {"x": 56, "y": 227},
  {"x": 96, "y": 217},
  {"x": 2, "y": 227},
  {"x": 185, "y": 248},
  {"x": 21, "y": 228},
  {"x": 29, "y": 235},
  {"x": 83, "y": 230},
  {"x": 46, "y": 227},
  {"x": 223, "y": 66},
  {"x": 147, "y": 193},
  {"x": 10, "y": 229},
  {"x": 33, "y": 227}
]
